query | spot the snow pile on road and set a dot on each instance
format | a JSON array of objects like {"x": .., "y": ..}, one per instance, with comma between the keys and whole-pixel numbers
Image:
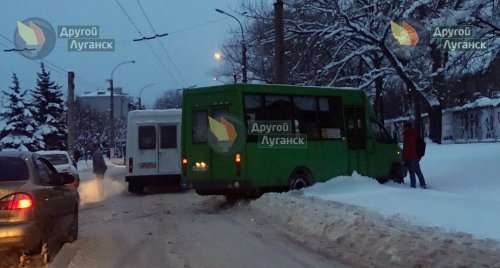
[
  {"x": 357, "y": 218},
  {"x": 363, "y": 238}
]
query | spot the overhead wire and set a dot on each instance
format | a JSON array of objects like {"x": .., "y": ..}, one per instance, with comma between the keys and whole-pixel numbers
[
  {"x": 149, "y": 45},
  {"x": 161, "y": 43}
]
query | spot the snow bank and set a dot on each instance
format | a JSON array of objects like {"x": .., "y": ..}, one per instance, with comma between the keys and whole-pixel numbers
[
  {"x": 363, "y": 238},
  {"x": 463, "y": 195},
  {"x": 454, "y": 223}
]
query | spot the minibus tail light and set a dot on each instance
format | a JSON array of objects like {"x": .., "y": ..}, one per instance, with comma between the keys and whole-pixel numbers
[
  {"x": 184, "y": 166},
  {"x": 130, "y": 164},
  {"x": 237, "y": 160}
]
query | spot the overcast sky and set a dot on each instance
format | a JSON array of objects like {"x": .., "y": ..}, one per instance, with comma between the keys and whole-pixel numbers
[{"x": 195, "y": 30}]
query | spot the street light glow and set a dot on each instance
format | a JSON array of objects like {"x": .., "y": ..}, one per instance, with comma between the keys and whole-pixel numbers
[{"x": 218, "y": 56}]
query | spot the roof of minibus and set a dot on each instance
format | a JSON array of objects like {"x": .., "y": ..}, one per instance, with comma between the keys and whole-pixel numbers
[
  {"x": 147, "y": 113},
  {"x": 267, "y": 88}
]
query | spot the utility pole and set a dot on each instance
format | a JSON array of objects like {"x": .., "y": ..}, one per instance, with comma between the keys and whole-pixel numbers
[
  {"x": 70, "y": 118},
  {"x": 111, "y": 121},
  {"x": 111, "y": 112},
  {"x": 279, "y": 43},
  {"x": 244, "y": 68}
]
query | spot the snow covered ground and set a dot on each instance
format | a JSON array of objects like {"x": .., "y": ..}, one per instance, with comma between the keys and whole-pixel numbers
[
  {"x": 464, "y": 194},
  {"x": 357, "y": 220}
]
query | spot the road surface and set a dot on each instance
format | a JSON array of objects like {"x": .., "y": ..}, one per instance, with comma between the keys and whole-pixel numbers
[{"x": 176, "y": 230}]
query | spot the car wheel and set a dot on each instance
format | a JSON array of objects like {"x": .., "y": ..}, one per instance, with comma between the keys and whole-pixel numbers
[{"x": 73, "y": 230}]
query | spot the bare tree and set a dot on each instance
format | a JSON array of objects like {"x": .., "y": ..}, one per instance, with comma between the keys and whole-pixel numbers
[{"x": 170, "y": 99}]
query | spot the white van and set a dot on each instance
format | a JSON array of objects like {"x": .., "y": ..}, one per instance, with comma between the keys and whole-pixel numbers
[{"x": 153, "y": 150}]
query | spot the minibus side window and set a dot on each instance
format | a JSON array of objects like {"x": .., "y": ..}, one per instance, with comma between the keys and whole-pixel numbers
[
  {"x": 200, "y": 126},
  {"x": 147, "y": 137},
  {"x": 254, "y": 111},
  {"x": 278, "y": 107},
  {"x": 331, "y": 118},
  {"x": 306, "y": 116}
]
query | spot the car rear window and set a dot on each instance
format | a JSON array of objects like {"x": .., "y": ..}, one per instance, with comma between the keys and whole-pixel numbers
[
  {"x": 13, "y": 169},
  {"x": 56, "y": 159}
]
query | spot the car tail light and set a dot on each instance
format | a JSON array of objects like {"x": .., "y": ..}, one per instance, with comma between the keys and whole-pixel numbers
[
  {"x": 130, "y": 164},
  {"x": 184, "y": 166},
  {"x": 237, "y": 160},
  {"x": 16, "y": 201}
]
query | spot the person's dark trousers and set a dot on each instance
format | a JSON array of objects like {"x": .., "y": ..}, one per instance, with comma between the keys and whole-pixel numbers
[{"x": 414, "y": 167}]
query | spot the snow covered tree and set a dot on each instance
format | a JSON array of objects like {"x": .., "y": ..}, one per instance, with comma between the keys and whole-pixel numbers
[
  {"x": 49, "y": 110},
  {"x": 349, "y": 43},
  {"x": 18, "y": 130},
  {"x": 92, "y": 127}
]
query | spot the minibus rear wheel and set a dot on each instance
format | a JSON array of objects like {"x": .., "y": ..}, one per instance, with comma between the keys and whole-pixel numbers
[{"x": 300, "y": 178}]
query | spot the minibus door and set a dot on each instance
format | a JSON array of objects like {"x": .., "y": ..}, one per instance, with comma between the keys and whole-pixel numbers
[
  {"x": 169, "y": 150},
  {"x": 356, "y": 140}
]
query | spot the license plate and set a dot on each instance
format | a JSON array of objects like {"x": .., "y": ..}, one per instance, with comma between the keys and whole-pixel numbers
[{"x": 147, "y": 165}]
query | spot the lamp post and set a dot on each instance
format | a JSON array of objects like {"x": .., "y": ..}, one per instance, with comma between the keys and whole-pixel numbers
[
  {"x": 243, "y": 45},
  {"x": 140, "y": 92},
  {"x": 111, "y": 111}
]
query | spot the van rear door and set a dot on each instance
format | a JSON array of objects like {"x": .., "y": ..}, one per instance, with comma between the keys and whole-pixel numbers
[
  {"x": 146, "y": 161},
  {"x": 169, "y": 151}
]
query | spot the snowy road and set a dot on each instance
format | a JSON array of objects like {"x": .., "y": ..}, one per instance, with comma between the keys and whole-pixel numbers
[{"x": 177, "y": 230}]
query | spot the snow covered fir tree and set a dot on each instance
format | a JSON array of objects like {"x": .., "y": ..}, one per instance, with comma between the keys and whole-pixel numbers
[
  {"x": 49, "y": 111},
  {"x": 18, "y": 121}
]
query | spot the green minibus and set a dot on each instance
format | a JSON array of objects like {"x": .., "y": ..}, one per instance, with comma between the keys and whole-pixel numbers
[{"x": 246, "y": 139}]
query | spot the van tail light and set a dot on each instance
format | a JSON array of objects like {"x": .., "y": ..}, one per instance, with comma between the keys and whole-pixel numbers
[
  {"x": 237, "y": 160},
  {"x": 16, "y": 201},
  {"x": 184, "y": 166},
  {"x": 130, "y": 164}
]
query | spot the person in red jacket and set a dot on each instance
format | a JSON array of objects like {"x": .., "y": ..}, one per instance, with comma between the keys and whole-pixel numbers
[{"x": 410, "y": 157}]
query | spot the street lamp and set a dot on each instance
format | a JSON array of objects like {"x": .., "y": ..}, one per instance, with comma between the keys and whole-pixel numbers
[
  {"x": 243, "y": 45},
  {"x": 111, "y": 111},
  {"x": 140, "y": 92}
]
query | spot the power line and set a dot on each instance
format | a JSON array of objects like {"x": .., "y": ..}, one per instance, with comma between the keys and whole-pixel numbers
[
  {"x": 198, "y": 25},
  {"x": 151, "y": 48},
  {"x": 161, "y": 44}
]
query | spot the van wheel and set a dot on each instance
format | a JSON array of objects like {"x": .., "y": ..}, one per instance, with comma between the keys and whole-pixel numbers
[
  {"x": 300, "y": 179},
  {"x": 135, "y": 188}
]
